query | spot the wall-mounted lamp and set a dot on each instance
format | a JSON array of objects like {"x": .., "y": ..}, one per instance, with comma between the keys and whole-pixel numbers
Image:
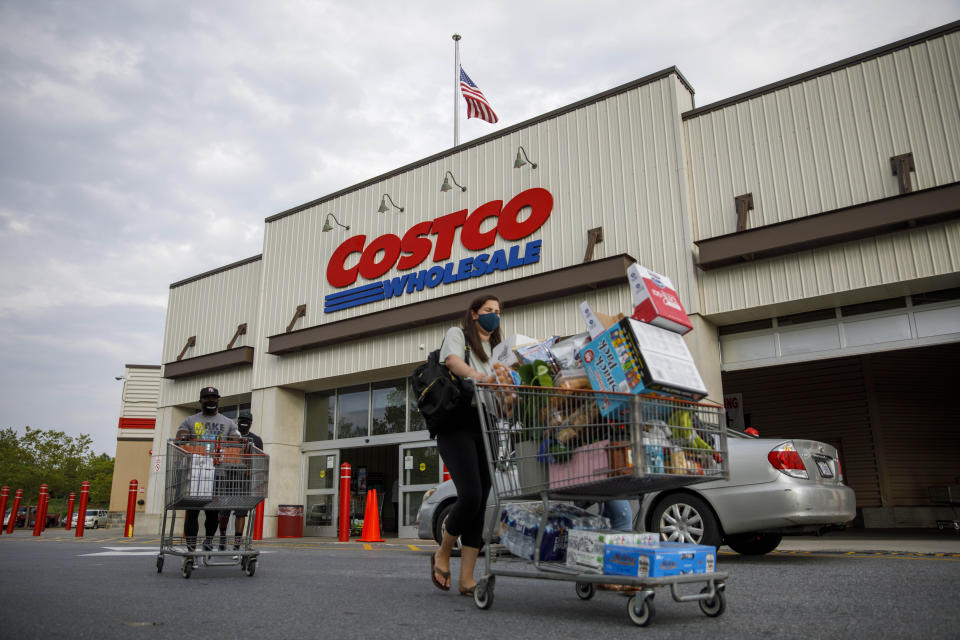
[
  {"x": 446, "y": 183},
  {"x": 326, "y": 223},
  {"x": 519, "y": 162},
  {"x": 383, "y": 204}
]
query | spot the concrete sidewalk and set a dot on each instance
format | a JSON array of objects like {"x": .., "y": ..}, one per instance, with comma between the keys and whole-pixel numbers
[{"x": 925, "y": 541}]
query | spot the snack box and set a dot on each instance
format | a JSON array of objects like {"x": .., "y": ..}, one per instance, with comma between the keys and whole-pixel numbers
[
  {"x": 634, "y": 357},
  {"x": 666, "y": 559},
  {"x": 656, "y": 301}
]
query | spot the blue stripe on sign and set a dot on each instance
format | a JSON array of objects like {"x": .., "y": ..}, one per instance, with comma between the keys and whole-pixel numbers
[
  {"x": 353, "y": 301},
  {"x": 333, "y": 297}
]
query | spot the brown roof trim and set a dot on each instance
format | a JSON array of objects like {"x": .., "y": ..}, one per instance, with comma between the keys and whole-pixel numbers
[
  {"x": 142, "y": 366},
  {"x": 237, "y": 357},
  {"x": 653, "y": 77},
  {"x": 207, "y": 274},
  {"x": 819, "y": 71},
  {"x": 553, "y": 284},
  {"x": 841, "y": 225}
]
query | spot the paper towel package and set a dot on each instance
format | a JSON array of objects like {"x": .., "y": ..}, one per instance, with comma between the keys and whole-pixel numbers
[{"x": 656, "y": 301}]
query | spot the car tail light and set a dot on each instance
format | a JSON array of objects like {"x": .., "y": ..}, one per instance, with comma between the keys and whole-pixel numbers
[
  {"x": 786, "y": 459},
  {"x": 839, "y": 470}
]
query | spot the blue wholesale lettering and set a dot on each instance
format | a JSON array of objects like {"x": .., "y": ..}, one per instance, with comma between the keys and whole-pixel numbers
[{"x": 449, "y": 273}]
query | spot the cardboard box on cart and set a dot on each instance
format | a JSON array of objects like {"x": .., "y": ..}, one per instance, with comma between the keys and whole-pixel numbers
[
  {"x": 665, "y": 559},
  {"x": 634, "y": 357},
  {"x": 656, "y": 301}
]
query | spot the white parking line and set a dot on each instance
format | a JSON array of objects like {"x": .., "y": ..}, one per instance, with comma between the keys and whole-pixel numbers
[{"x": 125, "y": 551}]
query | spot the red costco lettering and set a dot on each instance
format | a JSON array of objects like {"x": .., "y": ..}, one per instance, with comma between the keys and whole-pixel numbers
[{"x": 410, "y": 251}]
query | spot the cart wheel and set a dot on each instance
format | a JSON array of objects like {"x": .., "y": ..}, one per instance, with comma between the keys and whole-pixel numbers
[
  {"x": 160, "y": 563},
  {"x": 714, "y": 606},
  {"x": 243, "y": 562},
  {"x": 187, "y": 568},
  {"x": 251, "y": 567},
  {"x": 586, "y": 590},
  {"x": 483, "y": 593},
  {"x": 640, "y": 609}
]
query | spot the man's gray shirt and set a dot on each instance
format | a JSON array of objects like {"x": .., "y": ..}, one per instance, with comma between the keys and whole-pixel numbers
[{"x": 207, "y": 427}]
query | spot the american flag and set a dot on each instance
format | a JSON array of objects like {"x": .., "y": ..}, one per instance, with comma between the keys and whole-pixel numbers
[{"x": 477, "y": 105}]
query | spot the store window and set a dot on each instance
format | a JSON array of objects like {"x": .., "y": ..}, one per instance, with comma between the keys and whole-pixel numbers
[
  {"x": 318, "y": 422},
  {"x": 233, "y": 410},
  {"x": 389, "y": 407},
  {"x": 353, "y": 411},
  {"x": 381, "y": 408}
]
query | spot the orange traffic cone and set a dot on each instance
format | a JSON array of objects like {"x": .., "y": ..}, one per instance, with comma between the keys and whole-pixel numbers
[{"x": 371, "y": 520}]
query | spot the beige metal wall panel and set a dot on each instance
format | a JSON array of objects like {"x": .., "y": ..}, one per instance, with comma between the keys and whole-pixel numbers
[
  {"x": 141, "y": 391},
  {"x": 615, "y": 163},
  {"x": 882, "y": 260},
  {"x": 230, "y": 382},
  {"x": 826, "y": 142},
  {"x": 211, "y": 308}
]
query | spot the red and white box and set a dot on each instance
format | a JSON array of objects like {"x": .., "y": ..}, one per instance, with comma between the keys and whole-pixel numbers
[{"x": 656, "y": 301}]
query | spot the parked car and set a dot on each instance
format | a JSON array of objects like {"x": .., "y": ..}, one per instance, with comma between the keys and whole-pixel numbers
[
  {"x": 21, "y": 520},
  {"x": 95, "y": 518},
  {"x": 777, "y": 487}
]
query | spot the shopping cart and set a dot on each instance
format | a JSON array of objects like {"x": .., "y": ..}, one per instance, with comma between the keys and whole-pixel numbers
[
  {"x": 550, "y": 444},
  {"x": 212, "y": 475}
]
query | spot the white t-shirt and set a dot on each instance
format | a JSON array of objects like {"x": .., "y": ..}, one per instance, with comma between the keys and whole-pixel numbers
[{"x": 453, "y": 343}]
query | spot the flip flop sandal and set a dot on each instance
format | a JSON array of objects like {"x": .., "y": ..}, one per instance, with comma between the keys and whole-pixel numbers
[
  {"x": 467, "y": 592},
  {"x": 434, "y": 572}
]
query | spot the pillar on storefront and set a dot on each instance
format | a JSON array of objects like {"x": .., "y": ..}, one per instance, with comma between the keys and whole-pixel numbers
[
  {"x": 704, "y": 345},
  {"x": 278, "y": 419}
]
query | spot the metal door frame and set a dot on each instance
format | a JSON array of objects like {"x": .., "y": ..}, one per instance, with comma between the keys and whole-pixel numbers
[
  {"x": 315, "y": 530},
  {"x": 410, "y": 531}
]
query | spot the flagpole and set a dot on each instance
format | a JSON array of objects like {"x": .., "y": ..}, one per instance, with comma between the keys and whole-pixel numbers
[{"x": 456, "y": 90}]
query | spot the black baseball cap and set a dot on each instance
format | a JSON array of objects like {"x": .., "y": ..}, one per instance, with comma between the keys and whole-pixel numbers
[
  {"x": 209, "y": 391},
  {"x": 245, "y": 415}
]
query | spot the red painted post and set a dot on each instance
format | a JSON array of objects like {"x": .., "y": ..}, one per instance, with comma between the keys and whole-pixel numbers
[
  {"x": 131, "y": 509},
  {"x": 38, "y": 521},
  {"x": 258, "y": 522},
  {"x": 343, "y": 517},
  {"x": 4, "y": 494},
  {"x": 43, "y": 511},
  {"x": 73, "y": 497},
  {"x": 13, "y": 511},
  {"x": 82, "y": 509}
]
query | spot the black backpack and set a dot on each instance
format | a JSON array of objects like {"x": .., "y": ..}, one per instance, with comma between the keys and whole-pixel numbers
[{"x": 441, "y": 396}]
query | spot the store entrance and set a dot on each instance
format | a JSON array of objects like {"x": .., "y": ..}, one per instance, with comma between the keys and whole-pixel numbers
[{"x": 373, "y": 468}]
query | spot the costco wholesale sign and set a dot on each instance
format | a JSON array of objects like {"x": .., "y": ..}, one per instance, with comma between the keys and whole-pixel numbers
[{"x": 433, "y": 240}]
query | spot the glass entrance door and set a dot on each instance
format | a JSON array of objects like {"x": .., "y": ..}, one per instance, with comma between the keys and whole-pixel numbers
[
  {"x": 420, "y": 470},
  {"x": 322, "y": 482}
]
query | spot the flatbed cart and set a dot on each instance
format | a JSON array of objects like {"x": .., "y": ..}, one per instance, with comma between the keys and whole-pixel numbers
[
  {"x": 575, "y": 445},
  {"x": 212, "y": 475}
]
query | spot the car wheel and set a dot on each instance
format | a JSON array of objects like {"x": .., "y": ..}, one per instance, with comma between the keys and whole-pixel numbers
[
  {"x": 683, "y": 517},
  {"x": 753, "y": 544}
]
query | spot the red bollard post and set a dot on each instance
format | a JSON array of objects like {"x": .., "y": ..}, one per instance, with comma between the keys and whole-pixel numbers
[
  {"x": 73, "y": 497},
  {"x": 43, "y": 511},
  {"x": 4, "y": 494},
  {"x": 258, "y": 522},
  {"x": 38, "y": 520},
  {"x": 13, "y": 511},
  {"x": 82, "y": 509},
  {"x": 343, "y": 518},
  {"x": 131, "y": 509}
]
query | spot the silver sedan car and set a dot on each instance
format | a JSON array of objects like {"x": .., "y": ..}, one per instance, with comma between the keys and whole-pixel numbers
[{"x": 777, "y": 487}]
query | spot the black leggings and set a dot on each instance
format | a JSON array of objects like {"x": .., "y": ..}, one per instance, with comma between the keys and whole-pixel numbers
[
  {"x": 462, "y": 451},
  {"x": 191, "y": 523}
]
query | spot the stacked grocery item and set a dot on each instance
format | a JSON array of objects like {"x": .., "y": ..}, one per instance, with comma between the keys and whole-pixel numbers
[
  {"x": 637, "y": 555},
  {"x": 520, "y": 523},
  {"x": 577, "y": 437}
]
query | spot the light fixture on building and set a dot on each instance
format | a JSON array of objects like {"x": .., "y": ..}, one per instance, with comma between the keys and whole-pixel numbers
[
  {"x": 327, "y": 226},
  {"x": 446, "y": 183},
  {"x": 519, "y": 162},
  {"x": 383, "y": 204}
]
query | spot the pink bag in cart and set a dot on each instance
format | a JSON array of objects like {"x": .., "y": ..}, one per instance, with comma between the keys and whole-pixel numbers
[{"x": 589, "y": 463}]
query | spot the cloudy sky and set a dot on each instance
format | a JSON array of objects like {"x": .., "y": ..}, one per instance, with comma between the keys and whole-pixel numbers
[{"x": 145, "y": 141}]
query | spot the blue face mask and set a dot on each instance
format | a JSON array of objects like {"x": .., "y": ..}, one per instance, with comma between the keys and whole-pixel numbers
[{"x": 488, "y": 321}]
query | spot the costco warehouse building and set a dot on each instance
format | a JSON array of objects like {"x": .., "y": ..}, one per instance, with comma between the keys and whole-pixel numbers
[{"x": 811, "y": 226}]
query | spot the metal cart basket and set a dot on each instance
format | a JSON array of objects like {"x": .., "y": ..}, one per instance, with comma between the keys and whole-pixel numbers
[
  {"x": 221, "y": 475},
  {"x": 579, "y": 445}
]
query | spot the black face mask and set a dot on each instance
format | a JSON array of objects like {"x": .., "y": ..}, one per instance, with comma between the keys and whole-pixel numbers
[
  {"x": 210, "y": 407},
  {"x": 244, "y": 429}
]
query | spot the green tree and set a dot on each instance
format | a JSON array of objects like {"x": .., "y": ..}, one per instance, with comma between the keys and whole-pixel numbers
[{"x": 56, "y": 459}]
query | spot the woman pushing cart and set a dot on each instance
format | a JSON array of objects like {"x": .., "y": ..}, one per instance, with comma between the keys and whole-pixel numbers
[{"x": 552, "y": 445}]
